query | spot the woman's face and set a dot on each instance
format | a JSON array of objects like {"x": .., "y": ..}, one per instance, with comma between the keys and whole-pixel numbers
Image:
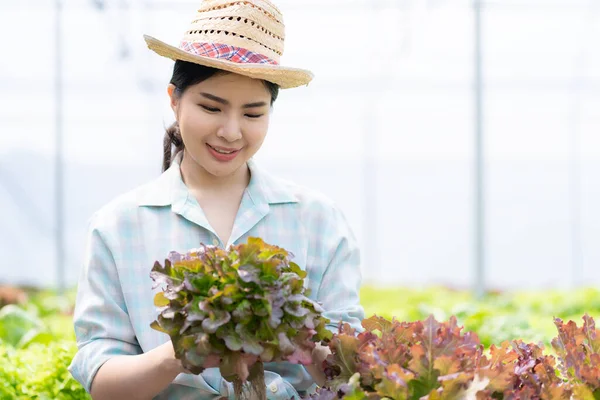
[{"x": 223, "y": 121}]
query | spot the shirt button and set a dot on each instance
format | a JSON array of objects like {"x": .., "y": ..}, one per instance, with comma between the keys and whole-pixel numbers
[
  {"x": 215, "y": 242},
  {"x": 273, "y": 388}
]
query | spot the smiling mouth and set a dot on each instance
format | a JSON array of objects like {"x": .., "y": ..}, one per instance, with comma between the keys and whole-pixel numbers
[{"x": 222, "y": 151}]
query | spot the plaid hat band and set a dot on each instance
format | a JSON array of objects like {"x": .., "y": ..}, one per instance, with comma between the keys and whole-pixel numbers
[{"x": 226, "y": 52}]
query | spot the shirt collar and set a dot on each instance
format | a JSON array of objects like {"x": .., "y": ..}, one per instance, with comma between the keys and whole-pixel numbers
[{"x": 169, "y": 188}]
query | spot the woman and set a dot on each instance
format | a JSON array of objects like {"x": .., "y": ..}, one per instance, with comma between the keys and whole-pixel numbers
[{"x": 225, "y": 80}]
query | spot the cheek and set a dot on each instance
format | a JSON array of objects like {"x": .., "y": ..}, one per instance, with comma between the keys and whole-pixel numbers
[
  {"x": 195, "y": 124},
  {"x": 255, "y": 133}
]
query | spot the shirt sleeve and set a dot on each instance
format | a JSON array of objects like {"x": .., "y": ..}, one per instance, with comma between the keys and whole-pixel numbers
[
  {"x": 102, "y": 325},
  {"x": 339, "y": 291}
]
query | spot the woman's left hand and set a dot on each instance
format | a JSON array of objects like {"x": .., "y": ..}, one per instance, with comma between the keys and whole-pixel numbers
[
  {"x": 320, "y": 353},
  {"x": 315, "y": 370}
]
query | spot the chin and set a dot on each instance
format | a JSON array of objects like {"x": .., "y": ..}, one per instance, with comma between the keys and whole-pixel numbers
[{"x": 222, "y": 170}]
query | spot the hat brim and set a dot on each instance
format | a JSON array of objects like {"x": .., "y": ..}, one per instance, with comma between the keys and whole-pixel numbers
[{"x": 285, "y": 77}]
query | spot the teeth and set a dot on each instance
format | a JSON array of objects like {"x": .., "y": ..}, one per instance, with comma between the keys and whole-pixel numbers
[{"x": 221, "y": 151}]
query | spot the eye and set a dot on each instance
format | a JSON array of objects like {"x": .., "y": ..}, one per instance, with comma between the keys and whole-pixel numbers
[
  {"x": 210, "y": 109},
  {"x": 254, "y": 116}
]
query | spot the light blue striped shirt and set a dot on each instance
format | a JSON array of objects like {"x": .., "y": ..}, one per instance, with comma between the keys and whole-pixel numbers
[{"x": 115, "y": 300}]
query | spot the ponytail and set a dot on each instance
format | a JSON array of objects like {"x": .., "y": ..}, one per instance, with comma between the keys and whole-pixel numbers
[{"x": 172, "y": 138}]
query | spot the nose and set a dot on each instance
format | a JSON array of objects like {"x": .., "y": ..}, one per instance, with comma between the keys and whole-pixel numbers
[{"x": 230, "y": 130}]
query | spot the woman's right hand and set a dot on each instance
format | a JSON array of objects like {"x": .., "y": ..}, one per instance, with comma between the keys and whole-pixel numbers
[
  {"x": 137, "y": 376},
  {"x": 168, "y": 355}
]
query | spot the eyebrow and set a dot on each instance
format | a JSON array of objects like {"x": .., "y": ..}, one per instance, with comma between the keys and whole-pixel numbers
[{"x": 227, "y": 103}]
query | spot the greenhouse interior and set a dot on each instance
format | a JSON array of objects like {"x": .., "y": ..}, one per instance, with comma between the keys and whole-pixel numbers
[{"x": 455, "y": 141}]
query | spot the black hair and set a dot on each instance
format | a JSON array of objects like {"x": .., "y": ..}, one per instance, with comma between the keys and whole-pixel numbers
[{"x": 186, "y": 74}]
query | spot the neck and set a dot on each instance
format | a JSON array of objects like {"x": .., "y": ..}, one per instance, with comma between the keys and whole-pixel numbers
[{"x": 197, "y": 178}]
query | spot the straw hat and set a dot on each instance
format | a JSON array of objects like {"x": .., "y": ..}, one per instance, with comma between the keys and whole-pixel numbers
[{"x": 243, "y": 37}]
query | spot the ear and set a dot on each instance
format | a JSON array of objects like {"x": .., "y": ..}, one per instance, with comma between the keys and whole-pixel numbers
[{"x": 174, "y": 99}]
